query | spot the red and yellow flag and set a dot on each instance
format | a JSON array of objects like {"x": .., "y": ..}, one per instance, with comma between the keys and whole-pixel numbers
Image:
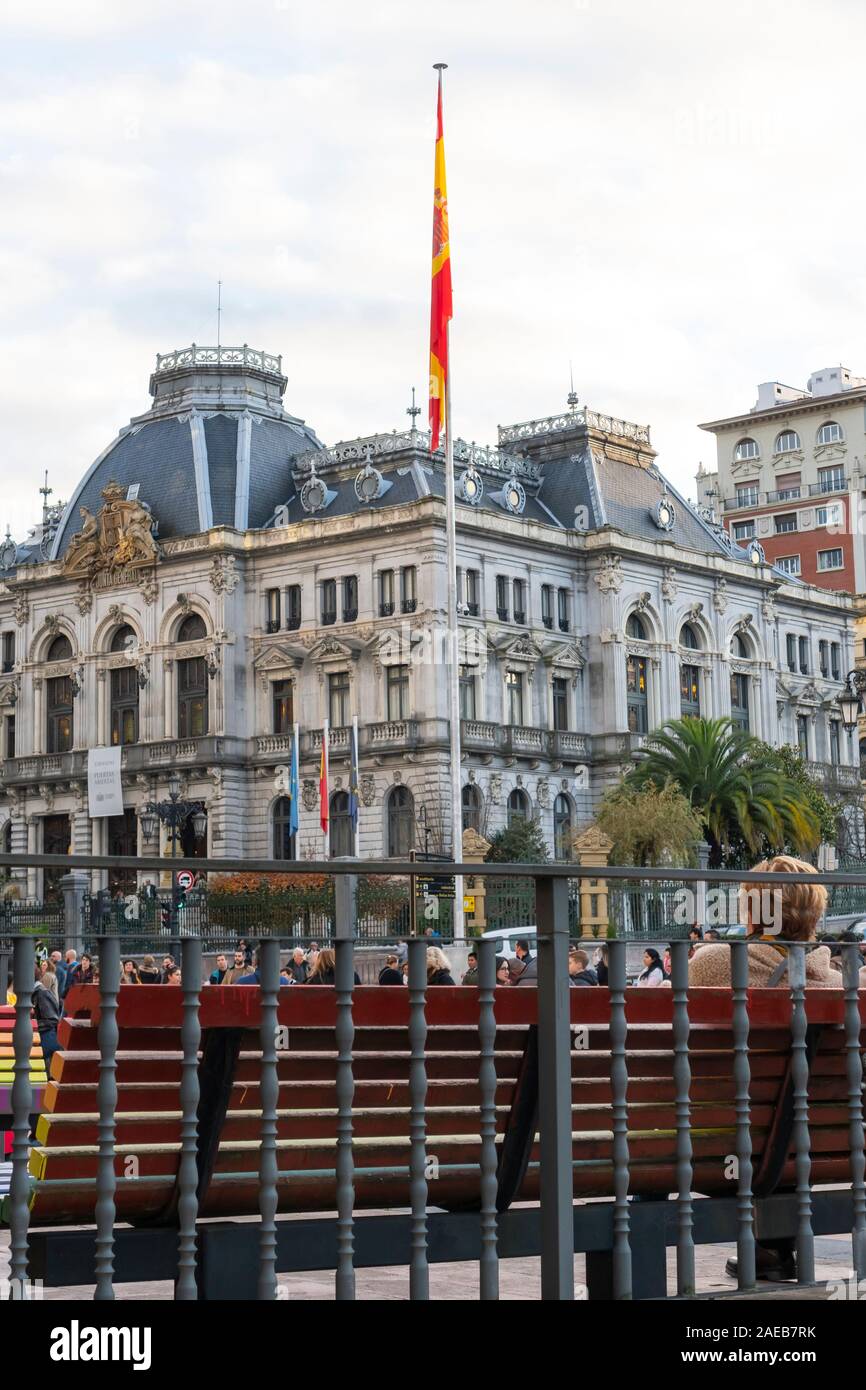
[
  {"x": 324, "y": 804},
  {"x": 440, "y": 298}
]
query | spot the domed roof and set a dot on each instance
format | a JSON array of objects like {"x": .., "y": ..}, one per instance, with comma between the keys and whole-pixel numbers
[{"x": 215, "y": 448}]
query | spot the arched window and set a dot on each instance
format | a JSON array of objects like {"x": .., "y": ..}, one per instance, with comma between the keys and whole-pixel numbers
[
  {"x": 518, "y": 806},
  {"x": 689, "y": 638},
  {"x": 124, "y": 639},
  {"x": 60, "y": 649},
  {"x": 401, "y": 823},
  {"x": 738, "y": 647},
  {"x": 787, "y": 442},
  {"x": 471, "y": 799},
  {"x": 746, "y": 449},
  {"x": 341, "y": 832},
  {"x": 635, "y": 628},
  {"x": 830, "y": 433},
  {"x": 192, "y": 629},
  {"x": 284, "y": 840},
  {"x": 563, "y": 827}
]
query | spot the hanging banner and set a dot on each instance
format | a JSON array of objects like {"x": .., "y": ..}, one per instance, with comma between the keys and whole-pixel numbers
[{"x": 104, "y": 788}]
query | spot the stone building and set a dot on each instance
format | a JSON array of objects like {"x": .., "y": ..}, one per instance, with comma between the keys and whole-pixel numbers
[{"x": 218, "y": 575}]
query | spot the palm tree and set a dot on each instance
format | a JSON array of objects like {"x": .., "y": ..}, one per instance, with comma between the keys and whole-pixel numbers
[{"x": 723, "y": 772}]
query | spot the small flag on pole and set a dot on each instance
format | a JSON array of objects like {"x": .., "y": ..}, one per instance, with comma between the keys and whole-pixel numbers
[
  {"x": 440, "y": 297},
  {"x": 294, "y": 786},
  {"x": 354, "y": 778},
  {"x": 323, "y": 784}
]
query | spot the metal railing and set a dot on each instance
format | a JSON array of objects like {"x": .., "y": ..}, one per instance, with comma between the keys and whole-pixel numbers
[{"x": 628, "y": 1241}]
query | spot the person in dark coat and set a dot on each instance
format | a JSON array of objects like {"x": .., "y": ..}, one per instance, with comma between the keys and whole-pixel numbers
[
  {"x": 438, "y": 967},
  {"x": 324, "y": 971},
  {"x": 471, "y": 976},
  {"x": 529, "y": 973},
  {"x": 580, "y": 971},
  {"x": 46, "y": 1007},
  {"x": 298, "y": 967},
  {"x": 391, "y": 974}
]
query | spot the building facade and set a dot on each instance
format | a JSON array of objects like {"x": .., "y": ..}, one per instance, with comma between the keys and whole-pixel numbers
[{"x": 219, "y": 575}]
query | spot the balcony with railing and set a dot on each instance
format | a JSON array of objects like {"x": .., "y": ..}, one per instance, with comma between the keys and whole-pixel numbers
[{"x": 827, "y": 486}]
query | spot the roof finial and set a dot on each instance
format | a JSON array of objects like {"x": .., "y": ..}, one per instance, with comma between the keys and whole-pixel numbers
[
  {"x": 572, "y": 397},
  {"x": 219, "y": 313},
  {"x": 413, "y": 410}
]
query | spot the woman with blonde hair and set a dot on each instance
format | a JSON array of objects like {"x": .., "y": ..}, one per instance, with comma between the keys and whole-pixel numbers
[
  {"x": 438, "y": 967},
  {"x": 324, "y": 972},
  {"x": 775, "y": 914}
]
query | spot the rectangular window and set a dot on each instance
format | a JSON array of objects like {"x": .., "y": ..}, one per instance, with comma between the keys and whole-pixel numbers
[
  {"x": 518, "y": 589},
  {"x": 744, "y": 530},
  {"x": 785, "y": 523},
  {"x": 562, "y": 610},
  {"x": 473, "y": 587},
  {"x": 502, "y": 598},
  {"x": 272, "y": 610},
  {"x": 408, "y": 591},
  {"x": 831, "y": 479},
  {"x": 338, "y": 699},
  {"x": 791, "y": 651},
  {"x": 192, "y": 698},
  {"x": 514, "y": 687},
  {"x": 824, "y": 658},
  {"x": 636, "y": 691},
  {"x": 8, "y": 651},
  {"x": 350, "y": 598},
  {"x": 740, "y": 701},
  {"x": 690, "y": 691},
  {"x": 124, "y": 705},
  {"x": 467, "y": 692},
  {"x": 747, "y": 495},
  {"x": 835, "y": 743},
  {"x": 329, "y": 602},
  {"x": 293, "y": 607},
  {"x": 397, "y": 691},
  {"x": 803, "y": 735},
  {"x": 836, "y": 661},
  {"x": 10, "y": 736},
  {"x": 547, "y": 605},
  {"x": 560, "y": 703},
  {"x": 829, "y": 515},
  {"x": 386, "y": 593},
  {"x": 803, "y": 645},
  {"x": 283, "y": 706},
  {"x": 789, "y": 563},
  {"x": 831, "y": 559},
  {"x": 59, "y": 714}
]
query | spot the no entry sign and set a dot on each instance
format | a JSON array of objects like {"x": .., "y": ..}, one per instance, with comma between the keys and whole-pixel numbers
[{"x": 185, "y": 879}]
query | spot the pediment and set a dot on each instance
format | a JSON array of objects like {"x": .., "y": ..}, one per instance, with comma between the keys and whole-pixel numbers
[
  {"x": 333, "y": 649},
  {"x": 276, "y": 658},
  {"x": 568, "y": 654},
  {"x": 520, "y": 649}
]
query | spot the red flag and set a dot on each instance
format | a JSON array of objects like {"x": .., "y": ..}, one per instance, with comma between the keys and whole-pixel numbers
[
  {"x": 440, "y": 297},
  {"x": 323, "y": 782}
]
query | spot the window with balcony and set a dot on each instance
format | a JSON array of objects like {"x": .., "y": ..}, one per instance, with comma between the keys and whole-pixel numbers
[
  {"x": 746, "y": 449},
  {"x": 690, "y": 691},
  {"x": 563, "y": 610},
  {"x": 502, "y": 598},
  {"x": 831, "y": 479},
  {"x": 803, "y": 650},
  {"x": 473, "y": 589},
  {"x": 519, "y": 808},
  {"x": 563, "y": 827},
  {"x": 401, "y": 822},
  {"x": 472, "y": 806},
  {"x": 338, "y": 699},
  {"x": 10, "y": 736},
  {"x": 408, "y": 589},
  {"x": 59, "y": 711},
  {"x": 283, "y": 837},
  {"x": 341, "y": 829},
  {"x": 788, "y": 485},
  {"x": 519, "y": 598},
  {"x": 283, "y": 706},
  {"x": 560, "y": 704},
  {"x": 636, "y": 694},
  {"x": 789, "y": 564},
  {"x": 329, "y": 602},
  {"x": 397, "y": 692},
  {"x": 293, "y": 607},
  {"x": 124, "y": 705},
  {"x": 744, "y": 530},
  {"x": 791, "y": 651},
  {"x": 192, "y": 698},
  {"x": 747, "y": 495},
  {"x": 824, "y": 658},
  {"x": 514, "y": 691},
  {"x": 350, "y": 598},
  {"x": 831, "y": 559},
  {"x": 740, "y": 701},
  {"x": 787, "y": 522},
  {"x": 8, "y": 652},
  {"x": 835, "y": 742},
  {"x": 803, "y": 735},
  {"x": 467, "y": 693},
  {"x": 547, "y": 605},
  {"x": 830, "y": 433},
  {"x": 386, "y": 593},
  {"x": 787, "y": 442},
  {"x": 272, "y": 610}
]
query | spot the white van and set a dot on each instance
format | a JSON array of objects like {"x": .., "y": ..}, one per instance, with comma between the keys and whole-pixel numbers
[{"x": 508, "y": 937}]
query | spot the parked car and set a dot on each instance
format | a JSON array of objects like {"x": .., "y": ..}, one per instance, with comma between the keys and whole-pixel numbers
[{"x": 508, "y": 937}]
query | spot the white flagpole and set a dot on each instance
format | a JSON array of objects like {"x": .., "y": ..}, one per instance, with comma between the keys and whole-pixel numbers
[
  {"x": 326, "y": 758},
  {"x": 356, "y": 759},
  {"x": 454, "y": 653}
]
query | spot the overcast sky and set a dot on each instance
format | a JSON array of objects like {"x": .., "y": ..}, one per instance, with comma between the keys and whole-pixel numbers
[{"x": 668, "y": 194}]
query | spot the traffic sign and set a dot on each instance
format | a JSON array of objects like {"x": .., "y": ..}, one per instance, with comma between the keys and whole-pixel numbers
[
  {"x": 185, "y": 878},
  {"x": 438, "y": 886},
  {"x": 469, "y": 902}
]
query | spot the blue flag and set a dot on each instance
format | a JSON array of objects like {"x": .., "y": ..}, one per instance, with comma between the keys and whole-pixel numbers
[
  {"x": 354, "y": 789},
  {"x": 294, "y": 787}
]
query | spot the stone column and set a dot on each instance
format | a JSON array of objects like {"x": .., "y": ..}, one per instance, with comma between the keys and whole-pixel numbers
[
  {"x": 168, "y": 697},
  {"x": 19, "y": 845},
  {"x": 475, "y": 849},
  {"x": 32, "y": 823},
  {"x": 74, "y": 887},
  {"x": 38, "y": 714},
  {"x": 102, "y": 679},
  {"x": 592, "y": 849}
]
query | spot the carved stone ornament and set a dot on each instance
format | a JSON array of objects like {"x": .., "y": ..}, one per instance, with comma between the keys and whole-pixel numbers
[
  {"x": 309, "y": 794},
  {"x": 642, "y": 601},
  {"x": 669, "y": 584},
  {"x": 495, "y": 789},
  {"x": 609, "y": 577},
  {"x": 720, "y": 595},
  {"x": 84, "y": 597},
  {"x": 46, "y": 791},
  {"x": 184, "y": 603},
  {"x": 115, "y": 613},
  {"x": 21, "y": 610},
  {"x": 542, "y": 793},
  {"x": 475, "y": 847},
  {"x": 149, "y": 587},
  {"x": 744, "y": 623},
  {"x": 693, "y": 614},
  {"x": 368, "y": 789},
  {"x": 768, "y": 609},
  {"x": 224, "y": 576},
  {"x": 120, "y": 536},
  {"x": 52, "y": 623}
]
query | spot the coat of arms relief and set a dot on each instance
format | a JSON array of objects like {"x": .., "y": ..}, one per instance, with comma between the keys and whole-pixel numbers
[{"x": 119, "y": 536}]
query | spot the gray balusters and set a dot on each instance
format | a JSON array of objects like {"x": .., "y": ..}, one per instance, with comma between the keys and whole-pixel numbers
[
  {"x": 106, "y": 1180},
  {"x": 800, "y": 1132},
  {"x": 344, "y": 980},
  {"x": 489, "y": 1263},
  {"x": 682, "y": 1087},
  {"x": 190, "y": 1038},
  {"x": 269, "y": 1091},
  {"x": 419, "y": 1273},
  {"x": 617, "y": 976},
  {"x": 554, "y": 1090},
  {"x": 742, "y": 1105},
  {"x": 23, "y": 967},
  {"x": 854, "y": 1073}
]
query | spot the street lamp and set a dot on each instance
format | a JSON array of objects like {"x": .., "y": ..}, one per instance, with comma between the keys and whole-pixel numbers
[
  {"x": 173, "y": 814},
  {"x": 850, "y": 702}
]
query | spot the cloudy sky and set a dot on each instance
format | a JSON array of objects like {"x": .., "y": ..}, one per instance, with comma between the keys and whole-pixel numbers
[{"x": 668, "y": 195}]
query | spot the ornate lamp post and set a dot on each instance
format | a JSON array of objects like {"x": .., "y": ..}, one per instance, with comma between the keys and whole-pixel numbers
[
  {"x": 850, "y": 702},
  {"x": 173, "y": 814}
]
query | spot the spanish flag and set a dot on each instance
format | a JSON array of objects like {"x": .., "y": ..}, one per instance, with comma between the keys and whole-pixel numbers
[
  {"x": 323, "y": 782},
  {"x": 440, "y": 298}
]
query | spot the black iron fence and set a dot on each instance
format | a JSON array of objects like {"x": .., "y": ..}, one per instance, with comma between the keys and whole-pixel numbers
[{"x": 482, "y": 1119}]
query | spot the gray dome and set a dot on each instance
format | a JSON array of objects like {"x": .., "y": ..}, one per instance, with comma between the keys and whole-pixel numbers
[{"x": 215, "y": 449}]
